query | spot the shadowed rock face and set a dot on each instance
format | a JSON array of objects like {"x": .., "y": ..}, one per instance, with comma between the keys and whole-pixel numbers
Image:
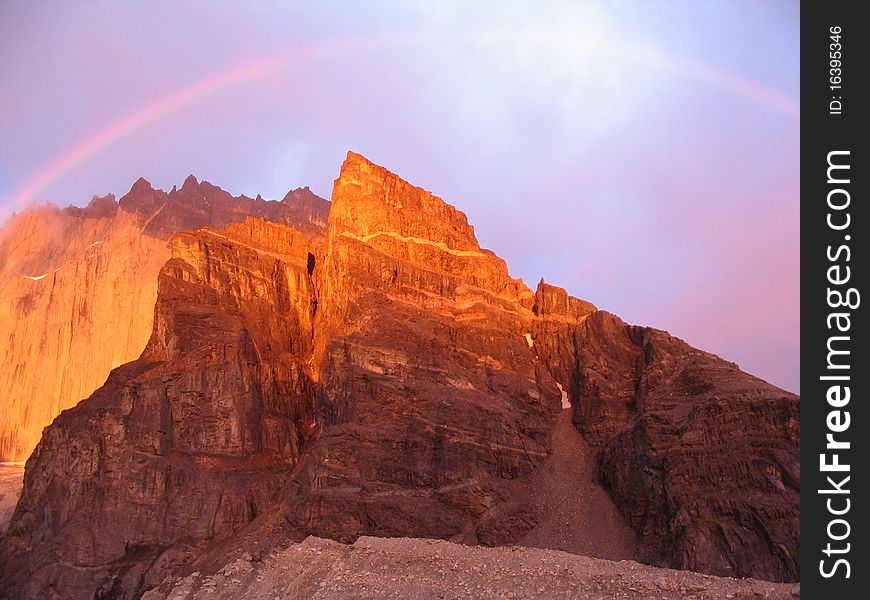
[
  {"x": 78, "y": 286},
  {"x": 392, "y": 379},
  {"x": 701, "y": 458},
  {"x": 200, "y": 204}
]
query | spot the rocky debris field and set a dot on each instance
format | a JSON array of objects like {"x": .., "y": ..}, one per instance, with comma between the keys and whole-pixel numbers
[{"x": 416, "y": 568}]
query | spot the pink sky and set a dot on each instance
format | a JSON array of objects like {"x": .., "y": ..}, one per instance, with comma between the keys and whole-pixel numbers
[{"x": 643, "y": 155}]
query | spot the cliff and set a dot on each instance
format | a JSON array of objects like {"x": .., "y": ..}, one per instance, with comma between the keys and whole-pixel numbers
[{"x": 78, "y": 287}]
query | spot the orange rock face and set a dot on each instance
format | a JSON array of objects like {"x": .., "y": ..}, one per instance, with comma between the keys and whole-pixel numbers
[
  {"x": 76, "y": 300},
  {"x": 78, "y": 286},
  {"x": 390, "y": 378},
  {"x": 388, "y": 236},
  {"x": 196, "y": 437}
]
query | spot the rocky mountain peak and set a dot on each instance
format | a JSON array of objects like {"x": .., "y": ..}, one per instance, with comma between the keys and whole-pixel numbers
[
  {"x": 141, "y": 186},
  {"x": 191, "y": 183},
  {"x": 98, "y": 207},
  {"x": 298, "y": 194},
  {"x": 554, "y": 302},
  {"x": 388, "y": 235},
  {"x": 369, "y": 201}
]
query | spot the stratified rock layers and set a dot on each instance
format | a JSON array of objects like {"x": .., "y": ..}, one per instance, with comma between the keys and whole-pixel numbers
[
  {"x": 78, "y": 286},
  {"x": 429, "y": 397},
  {"x": 702, "y": 459},
  {"x": 393, "y": 380}
]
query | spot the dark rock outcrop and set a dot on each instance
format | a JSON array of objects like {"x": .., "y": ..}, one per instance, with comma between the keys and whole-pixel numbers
[
  {"x": 702, "y": 459},
  {"x": 200, "y": 204}
]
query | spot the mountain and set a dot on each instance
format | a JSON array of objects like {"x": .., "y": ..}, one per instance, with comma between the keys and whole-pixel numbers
[
  {"x": 78, "y": 286},
  {"x": 391, "y": 379}
]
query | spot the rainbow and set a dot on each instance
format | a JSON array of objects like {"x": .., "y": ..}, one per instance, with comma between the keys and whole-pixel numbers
[
  {"x": 166, "y": 105},
  {"x": 263, "y": 67},
  {"x": 762, "y": 96}
]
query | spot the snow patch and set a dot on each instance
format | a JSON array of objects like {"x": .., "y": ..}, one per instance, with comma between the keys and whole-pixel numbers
[
  {"x": 565, "y": 402},
  {"x": 529, "y": 340}
]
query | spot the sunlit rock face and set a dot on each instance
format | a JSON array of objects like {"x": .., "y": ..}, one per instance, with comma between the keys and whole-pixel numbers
[
  {"x": 388, "y": 377},
  {"x": 78, "y": 286},
  {"x": 77, "y": 292}
]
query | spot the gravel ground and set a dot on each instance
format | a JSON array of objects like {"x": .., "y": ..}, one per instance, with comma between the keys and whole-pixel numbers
[{"x": 415, "y": 568}]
